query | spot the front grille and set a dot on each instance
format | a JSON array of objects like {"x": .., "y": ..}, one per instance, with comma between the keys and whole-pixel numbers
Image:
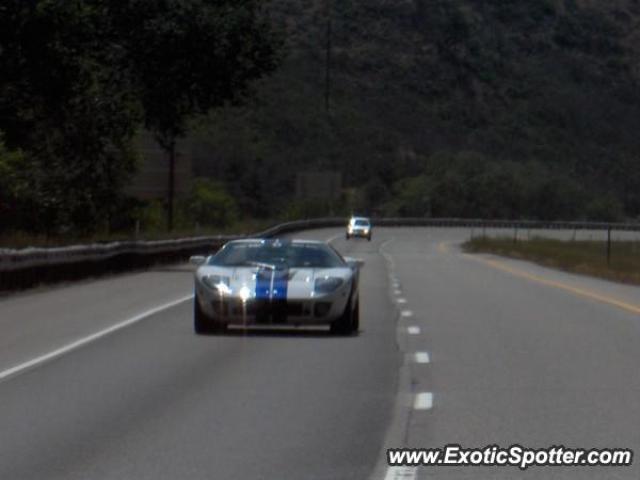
[
  {"x": 295, "y": 308},
  {"x": 321, "y": 309},
  {"x": 263, "y": 308}
]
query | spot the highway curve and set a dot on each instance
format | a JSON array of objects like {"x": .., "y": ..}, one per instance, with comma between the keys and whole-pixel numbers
[{"x": 507, "y": 352}]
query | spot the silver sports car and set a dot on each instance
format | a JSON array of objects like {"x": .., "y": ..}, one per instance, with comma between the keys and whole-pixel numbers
[{"x": 276, "y": 282}]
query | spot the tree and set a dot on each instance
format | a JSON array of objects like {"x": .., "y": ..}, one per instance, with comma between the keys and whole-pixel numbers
[
  {"x": 68, "y": 105},
  {"x": 209, "y": 204},
  {"x": 78, "y": 75},
  {"x": 189, "y": 56}
]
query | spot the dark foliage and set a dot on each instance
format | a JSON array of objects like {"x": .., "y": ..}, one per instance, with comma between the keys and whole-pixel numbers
[
  {"x": 79, "y": 78},
  {"x": 535, "y": 104},
  {"x": 482, "y": 108}
]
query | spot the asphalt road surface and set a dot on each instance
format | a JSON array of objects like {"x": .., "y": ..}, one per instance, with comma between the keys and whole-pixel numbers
[{"x": 105, "y": 379}]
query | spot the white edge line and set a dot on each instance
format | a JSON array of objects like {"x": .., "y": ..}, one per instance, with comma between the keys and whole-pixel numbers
[
  {"x": 422, "y": 357},
  {"x": 91, "y": 338},
  {"x": 423, "y": 401}
]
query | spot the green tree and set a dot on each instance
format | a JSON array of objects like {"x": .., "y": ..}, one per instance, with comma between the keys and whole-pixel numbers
[
  {"x": 412, "y": 197},
  {"x": 189, "y": 56},
  {"x": 209, "y": 204},
  {"x": 10, "y": 208},
  {"x": 67, "y": 104}
]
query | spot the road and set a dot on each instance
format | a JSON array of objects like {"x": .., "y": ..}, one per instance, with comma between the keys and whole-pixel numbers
[{"x": 104, "y": 379}]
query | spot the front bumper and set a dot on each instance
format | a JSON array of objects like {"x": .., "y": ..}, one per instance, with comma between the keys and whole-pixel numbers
[
  {"x": 359, "y": 233},
  {"x": 234, "y": 311}
]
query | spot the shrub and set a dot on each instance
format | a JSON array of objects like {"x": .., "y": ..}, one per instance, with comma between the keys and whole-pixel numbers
[{"x": 209, "y": 204}]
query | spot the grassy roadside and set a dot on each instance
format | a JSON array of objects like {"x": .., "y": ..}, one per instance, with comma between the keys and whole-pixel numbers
[
  {"x": 23, "y": 240},
  {"x": 583, "y": 256}
]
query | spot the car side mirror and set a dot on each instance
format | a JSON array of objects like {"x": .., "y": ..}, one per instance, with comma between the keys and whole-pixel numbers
[
  {"x": 197, "y": 259},
  {"x": 354, "y": 263}
]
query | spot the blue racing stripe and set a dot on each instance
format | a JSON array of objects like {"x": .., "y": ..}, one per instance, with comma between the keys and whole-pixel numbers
[
  {"x": 280, "y": 284},
  {"x": 263, "y": 284}
]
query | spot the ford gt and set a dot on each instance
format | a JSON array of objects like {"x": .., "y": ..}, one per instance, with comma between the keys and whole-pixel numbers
[{"x": 276, "y": 282}]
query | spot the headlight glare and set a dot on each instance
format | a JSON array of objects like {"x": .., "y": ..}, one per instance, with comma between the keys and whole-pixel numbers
[
  {"x": 218, "y": 283},
  {"x": 327, "y": 284},
  {"x": 244, "y": 293}
]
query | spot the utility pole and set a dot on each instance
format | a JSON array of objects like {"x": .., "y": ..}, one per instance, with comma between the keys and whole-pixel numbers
[{"x": 327, "y": 80}]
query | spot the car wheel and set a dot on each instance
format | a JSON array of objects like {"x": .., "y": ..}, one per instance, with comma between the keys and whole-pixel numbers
[
  {"x": 369, "y": 237},
  {"x": 355, "y": 320},
  {"x": 347, "y": 236},
  {"x": 345, "y": 324},
  {"x": 202, "y": 324}
]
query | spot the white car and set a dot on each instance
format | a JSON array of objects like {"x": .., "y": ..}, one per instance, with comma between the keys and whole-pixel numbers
[
  {"x": 276, "y": 282},
  {"x": 359, "y": 227}
]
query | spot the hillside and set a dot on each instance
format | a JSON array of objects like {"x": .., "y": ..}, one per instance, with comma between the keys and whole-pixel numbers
[{"x": 446, "y": 107}]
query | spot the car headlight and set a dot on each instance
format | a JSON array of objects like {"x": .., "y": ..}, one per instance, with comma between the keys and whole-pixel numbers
[
  {"x": 327, "y": 284},
  {"x": 218, "y": 283},
  {"x": 244, "y": 293}
]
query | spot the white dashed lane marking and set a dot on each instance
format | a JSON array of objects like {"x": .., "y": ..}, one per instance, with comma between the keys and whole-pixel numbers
[
  {"x": 423, "y": 401},
  {"x": 413, "y": 330},
  {"x": 401, "y": 473},
  {"x": 421, "y": 357}
]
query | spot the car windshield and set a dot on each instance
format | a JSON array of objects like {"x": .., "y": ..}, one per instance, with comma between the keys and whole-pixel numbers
[
  {"x": 361, "y": 223},
  {"x": 300, "y": 255}
]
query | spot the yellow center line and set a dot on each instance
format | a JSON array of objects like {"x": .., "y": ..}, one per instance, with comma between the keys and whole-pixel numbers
[{"x": 598, "y": 297}]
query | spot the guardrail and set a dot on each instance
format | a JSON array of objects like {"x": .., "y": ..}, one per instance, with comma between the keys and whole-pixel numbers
[{"x": 27, "y": 267}]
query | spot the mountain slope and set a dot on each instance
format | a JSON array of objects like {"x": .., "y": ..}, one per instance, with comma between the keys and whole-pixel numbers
[{"x": 447, "y": 107}]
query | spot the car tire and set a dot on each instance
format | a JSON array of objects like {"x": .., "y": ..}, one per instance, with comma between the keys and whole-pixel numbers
[
  {"x": 347, "y": 236},
  {"x": 369, "y": 237},
  {"x": 203, "y": 324},
  {"x": 348, "y": 322},
  {"x": 355, "y": 320}
]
